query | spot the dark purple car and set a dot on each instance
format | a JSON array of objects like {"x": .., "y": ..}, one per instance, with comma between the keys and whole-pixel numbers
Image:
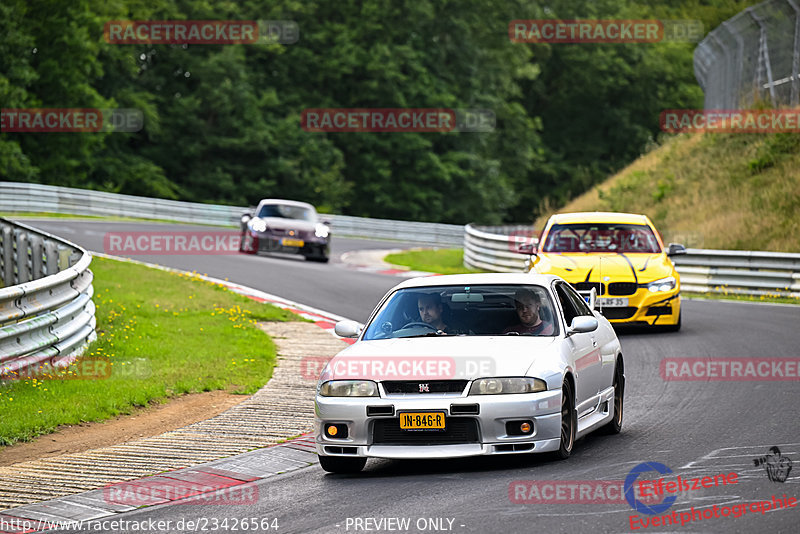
[{"x": 286, "y": 226}]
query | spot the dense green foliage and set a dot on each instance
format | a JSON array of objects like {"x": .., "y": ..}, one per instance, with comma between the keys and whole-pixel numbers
[{"x": 222, "y": 123}]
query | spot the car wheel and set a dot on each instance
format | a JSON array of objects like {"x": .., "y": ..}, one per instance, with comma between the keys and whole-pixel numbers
[
  {"x": 320, "y": 259},
  {"x": 569, "y": 422},
  {"x": 615, "y": 425},
  {"x": 337, "y": 464}
]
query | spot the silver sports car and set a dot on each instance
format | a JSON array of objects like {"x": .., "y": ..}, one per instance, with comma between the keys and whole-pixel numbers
[{"x": 466, "y": 365}]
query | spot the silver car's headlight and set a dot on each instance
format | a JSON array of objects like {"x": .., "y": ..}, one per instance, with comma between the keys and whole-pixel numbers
[
  {"x": 349, "y": 388},
  {"x": 320, "y": 230},
  {"x": 257, "y": 225},
  {"x": 665, "y": 284},
  {"x": 505, "y": 386}
]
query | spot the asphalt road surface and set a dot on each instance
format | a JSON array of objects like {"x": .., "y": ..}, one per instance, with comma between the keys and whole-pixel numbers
[{"x": 698, "y": 428}]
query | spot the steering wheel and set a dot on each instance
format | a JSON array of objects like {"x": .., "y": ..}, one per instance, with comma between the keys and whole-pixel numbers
[{"x": 420, "y": 324}]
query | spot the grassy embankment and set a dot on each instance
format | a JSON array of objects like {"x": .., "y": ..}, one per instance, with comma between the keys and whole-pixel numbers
[{"x": 163, "y": 334}]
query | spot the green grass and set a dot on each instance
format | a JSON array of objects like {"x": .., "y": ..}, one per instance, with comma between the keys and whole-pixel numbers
[
  {"x": 175, "y": 333},
  {"x": 437, "y": 260}
]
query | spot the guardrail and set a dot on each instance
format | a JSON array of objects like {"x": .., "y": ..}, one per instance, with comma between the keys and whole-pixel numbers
[
  {"x": 494, "y": 248},
  {"x": 46, "y": 309},
  {"x": 739, "y": 272},
  {"x": 39, "y": 198}
]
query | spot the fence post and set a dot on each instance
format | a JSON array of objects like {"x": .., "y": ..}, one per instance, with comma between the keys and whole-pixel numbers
[{"x": 795, "y": 55}]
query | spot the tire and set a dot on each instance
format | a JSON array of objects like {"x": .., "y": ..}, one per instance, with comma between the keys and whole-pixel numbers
[
  {"x": 569, "y": 422},
  {"x": 337, "y": 464},
  {"x": 615, "y": 425},
  {"x": 319, "y": 259}
]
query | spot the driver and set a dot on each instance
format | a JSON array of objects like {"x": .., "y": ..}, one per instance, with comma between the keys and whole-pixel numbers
[
  {"x": 430, "y": 311},
  {"x": 527, "y": 304}
]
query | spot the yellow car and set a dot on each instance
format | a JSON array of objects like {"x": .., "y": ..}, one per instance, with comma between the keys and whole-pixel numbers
[{"x": 622, "y": 257}]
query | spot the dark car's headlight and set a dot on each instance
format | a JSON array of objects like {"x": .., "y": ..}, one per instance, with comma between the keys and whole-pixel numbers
[
  {"x": 665, "y": 284},
  {"x": 497, "y": 386},
  {"x": 349, "y": 388},
  {"x": 257, "y": 225},
  {"x": 320, "y": 230}
]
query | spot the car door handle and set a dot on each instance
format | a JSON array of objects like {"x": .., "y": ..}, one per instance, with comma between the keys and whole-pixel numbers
[{"x": 594, "y": 342}]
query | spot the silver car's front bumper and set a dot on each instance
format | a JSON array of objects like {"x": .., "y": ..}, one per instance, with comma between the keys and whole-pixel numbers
[{"x": 542, "y": 409}]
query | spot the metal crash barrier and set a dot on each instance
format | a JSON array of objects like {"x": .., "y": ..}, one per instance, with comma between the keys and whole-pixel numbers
[{"x": 47, "y": 316}]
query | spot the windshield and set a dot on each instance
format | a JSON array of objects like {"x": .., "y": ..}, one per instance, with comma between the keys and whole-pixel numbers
[
  {"x": 483, "y": 310},
  {"x": 602, "y": 237},
  {"x": 286, "y": 211}
]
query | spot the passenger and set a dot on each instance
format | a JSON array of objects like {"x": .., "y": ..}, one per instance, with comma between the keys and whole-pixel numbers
[{"x": 528, "y": 306}]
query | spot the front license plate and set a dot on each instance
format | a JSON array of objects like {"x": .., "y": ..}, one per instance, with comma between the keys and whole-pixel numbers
[
  {"x": 422, "y": 421},
  {"x": 292, "y": 242},
  {"x": 612, "y": 302}
]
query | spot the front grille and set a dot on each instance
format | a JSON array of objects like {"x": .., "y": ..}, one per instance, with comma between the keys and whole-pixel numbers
[
  {"x": 619, "y": 313},
  {"x": 464, "y": 409},
  {"x": 660, "y": 310},
  {"x": 587, "y": 286},
  {"x": 373, "y": 411},
  {"x": 430, "y": 386},
  {"x": 457, "y": 430},
  {"x": 622, "y": 288}
]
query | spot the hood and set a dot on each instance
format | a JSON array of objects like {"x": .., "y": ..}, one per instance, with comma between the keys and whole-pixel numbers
[
  {"x": 280, "y": 223},
  {"x": 438, "y": 358},
  {"x": 619, "y": 267}
]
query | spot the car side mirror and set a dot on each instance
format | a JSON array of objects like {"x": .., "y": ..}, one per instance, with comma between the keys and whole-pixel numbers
[
  {"x": 527, "y": 248},
  {"x": 582, "y": 324},
  {"x": 244, "y": 220},
  {"x": 348, "y": 328},
  {"x": 676, "y": 249}
]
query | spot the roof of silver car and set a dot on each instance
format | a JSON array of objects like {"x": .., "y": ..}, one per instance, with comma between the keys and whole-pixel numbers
[
  {"x": 479, "y": 278},
  {"x": 286, "y": 202}
]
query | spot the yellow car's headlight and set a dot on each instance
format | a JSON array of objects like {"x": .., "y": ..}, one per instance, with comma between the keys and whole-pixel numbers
[{"x": 665, "y": 284}]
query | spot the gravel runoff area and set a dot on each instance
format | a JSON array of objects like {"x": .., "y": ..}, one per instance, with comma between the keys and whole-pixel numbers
[{"x": 282, "y": 409}]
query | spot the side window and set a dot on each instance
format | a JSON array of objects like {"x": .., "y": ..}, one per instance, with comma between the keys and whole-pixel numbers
[
  {"x": 580, "y": 304},
  {"x": 566, "y": 304}
]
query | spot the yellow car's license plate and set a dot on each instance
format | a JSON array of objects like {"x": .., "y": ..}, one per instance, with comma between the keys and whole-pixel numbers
[
  {"x": 422, "y": 421},
  {"x": 292, "y": 242}
]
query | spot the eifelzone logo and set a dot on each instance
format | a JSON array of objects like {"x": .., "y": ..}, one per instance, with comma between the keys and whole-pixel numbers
[{"x": 778, "y": 467}]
